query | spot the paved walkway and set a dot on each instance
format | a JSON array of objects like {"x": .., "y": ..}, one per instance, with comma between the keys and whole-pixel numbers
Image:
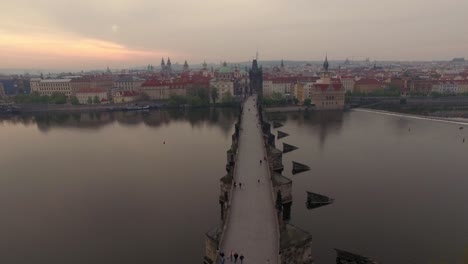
[{"x": 252, "y": 228}]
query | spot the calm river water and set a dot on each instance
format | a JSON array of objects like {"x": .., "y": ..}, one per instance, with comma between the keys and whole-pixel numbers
[{"x": 142, "y": 187}]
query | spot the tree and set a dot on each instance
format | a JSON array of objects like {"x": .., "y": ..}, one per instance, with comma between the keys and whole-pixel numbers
[
  {"x": 74, "y": 100},
  {"x": 143, "y": 97},
  {"x": 307, "y": 102},
  {"x": 227, "y": 98},
  {"x": 214, "y": 94},
  {"x": 176, "y": 100},
  {"x": 96, "y": 100},
  {"x": 58, "y": 98},
  {"x": 296, "y": 101},
  {"x": 90, "y": 100}
]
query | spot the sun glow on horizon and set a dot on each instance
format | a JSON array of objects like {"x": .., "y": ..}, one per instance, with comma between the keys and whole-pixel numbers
[{"x": 63, "y": 48}]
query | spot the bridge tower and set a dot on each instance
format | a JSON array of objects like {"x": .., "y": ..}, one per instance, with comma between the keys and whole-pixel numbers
[{"x": 256, "y": 78}]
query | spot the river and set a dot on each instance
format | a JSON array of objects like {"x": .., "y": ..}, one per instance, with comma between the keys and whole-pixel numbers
[
  {"x": 399, "y": 185},
  {"x": 142, "y": 187},
  {"x": 128, "y": 187}
]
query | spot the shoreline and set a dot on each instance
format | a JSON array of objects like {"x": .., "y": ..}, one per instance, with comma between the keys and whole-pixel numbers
[{"x": 15, "y": 110}]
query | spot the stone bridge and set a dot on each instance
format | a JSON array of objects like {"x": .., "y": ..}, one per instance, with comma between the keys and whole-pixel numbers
[{"x": 255, "y": 200}]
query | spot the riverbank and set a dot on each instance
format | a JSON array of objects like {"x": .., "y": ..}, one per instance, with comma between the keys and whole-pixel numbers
[
  {"x": 16, "y": 109},
  {"x": 284, "y": 109}
]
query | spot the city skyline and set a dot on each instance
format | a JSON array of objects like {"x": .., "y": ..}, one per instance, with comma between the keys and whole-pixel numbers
[{"x": 51, "y": 34}]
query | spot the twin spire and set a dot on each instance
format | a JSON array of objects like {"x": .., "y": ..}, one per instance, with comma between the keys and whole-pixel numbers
[{"x": 168, "y": 62}]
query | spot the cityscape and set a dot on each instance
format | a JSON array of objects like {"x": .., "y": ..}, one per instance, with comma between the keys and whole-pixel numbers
[
  {"x": 295, "y": 83},
  {"x": 220, "y": 132}
]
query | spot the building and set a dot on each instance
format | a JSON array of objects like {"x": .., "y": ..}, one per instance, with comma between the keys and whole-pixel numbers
[
  {"x": 14, "y": 85},
  {"x": 166, "y": 68},
  {"x": 2, "y": 91},
  {"x": 462, "y": 87},
  {"x": 281, "y": 85},
  {"x": 91, "y": 82},
  {"x": 225, "y": 73},
  {"x": 445, "y": 87},
  {"x": 367, "y": 85},
  {"x": 224, "y": 87},
  {"x": 163, "y": 89},
  {"x": 420, "y": 86},
  {"x": 50, "y": 86},
  {"x": 348, "y": 82},
  {"x": 128, "y": 83},
  {"x": 85, "y": 94},
  {"x": 124, "y": 96},
  {"x": 327, "y": 93}
]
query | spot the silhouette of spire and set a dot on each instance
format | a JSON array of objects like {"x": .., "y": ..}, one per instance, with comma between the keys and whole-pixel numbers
[
  {"x": 325, "y": 63},
  {"x": 162, "y": 62}
]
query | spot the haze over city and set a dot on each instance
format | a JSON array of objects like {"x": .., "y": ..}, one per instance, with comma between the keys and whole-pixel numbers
[{"x": 122, "y": 33}]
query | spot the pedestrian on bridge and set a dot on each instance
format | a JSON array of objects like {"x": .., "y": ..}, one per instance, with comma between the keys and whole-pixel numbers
[
  {"x": 221, "y": 254},
  {"x": 240, "y": 185},
  {"x": 241, "y": 258},
  {"x": 235, "y": 257},
  {"x": 234, "y": 184},
  {"x": 260, "y": 162}
]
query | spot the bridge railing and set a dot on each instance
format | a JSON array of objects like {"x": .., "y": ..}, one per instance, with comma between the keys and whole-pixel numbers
[
  {"x": 228, "y": 202},
  {"x": 270, "y": 173}
]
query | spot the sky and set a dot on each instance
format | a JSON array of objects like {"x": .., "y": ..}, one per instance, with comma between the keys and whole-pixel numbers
[{"x": 90, "y": 34}]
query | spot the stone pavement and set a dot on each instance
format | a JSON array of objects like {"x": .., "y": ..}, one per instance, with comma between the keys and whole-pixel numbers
[{"x": 252, "y": 228}]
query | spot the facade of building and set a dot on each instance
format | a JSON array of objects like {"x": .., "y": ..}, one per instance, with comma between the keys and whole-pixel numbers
[
  {"x": 462, "y": 87},
  {"x": 348, "y": 82},
  {"x": 420, "y": 86},
  {"x": 445, "y": 87},
  {"x": 367, "y": 85},
  {"x": 50, "y": 86},
  {"x": 128, "y": 83},
  {"x": 281, "y": 85},
  {"x": 85, "y": 94},
  {"x": 2, "y": 91},
  {"x": 91, "y": 82},
  {"x": 224, "y": 87},
  {"x": 124, "y": 97},
  {"x": 162, "y": 90}
]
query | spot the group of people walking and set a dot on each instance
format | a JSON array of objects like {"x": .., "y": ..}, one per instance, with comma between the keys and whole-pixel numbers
[
  {"x": 233, "y": 257},
  {"x": 240, "y": 185}
]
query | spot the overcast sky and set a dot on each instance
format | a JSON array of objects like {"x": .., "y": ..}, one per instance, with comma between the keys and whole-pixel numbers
[{"x": 123, "y": 33}]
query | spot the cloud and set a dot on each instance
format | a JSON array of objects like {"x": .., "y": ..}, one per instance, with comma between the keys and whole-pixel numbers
[{"x": 64, "y": 49}]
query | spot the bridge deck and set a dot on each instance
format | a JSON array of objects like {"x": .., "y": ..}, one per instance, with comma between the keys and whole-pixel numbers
[{"x": 252, "y": 228}]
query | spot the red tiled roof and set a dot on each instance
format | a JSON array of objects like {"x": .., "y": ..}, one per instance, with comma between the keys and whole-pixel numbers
[{"x": 324, "y": 86}]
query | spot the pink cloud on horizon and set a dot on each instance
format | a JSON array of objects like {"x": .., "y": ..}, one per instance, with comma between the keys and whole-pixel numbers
[{"x": 68, "y": 51}]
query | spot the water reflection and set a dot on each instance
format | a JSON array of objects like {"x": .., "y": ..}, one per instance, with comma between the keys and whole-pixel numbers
[
  {"x": 218, "y": 117},
  {"x": 387, "y": 174},
  {"x": 104, "y": 188},
  {"x": 324, "y": 123}
]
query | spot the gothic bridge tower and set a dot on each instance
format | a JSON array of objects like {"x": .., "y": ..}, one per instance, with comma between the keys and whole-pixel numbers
[{"x": 256, "y": 78}]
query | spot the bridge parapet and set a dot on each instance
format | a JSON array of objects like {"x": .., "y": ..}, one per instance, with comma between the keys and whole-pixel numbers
[{"x": 214, "y": 237}]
